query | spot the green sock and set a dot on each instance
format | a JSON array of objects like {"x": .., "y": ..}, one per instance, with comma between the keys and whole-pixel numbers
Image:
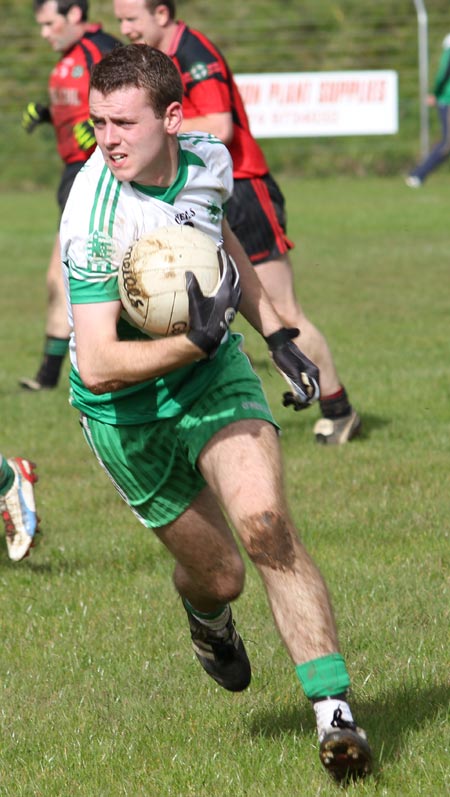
[
  {"x": 56, "y": 346},
  {"x": 6, "y": 476},
  {"x": 324, "y": 677},
  {"x": 203, "y": 615},
  {"x": 55, "y": 350}
]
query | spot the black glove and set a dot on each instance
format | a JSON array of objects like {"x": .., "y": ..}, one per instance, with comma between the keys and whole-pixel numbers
[
  {"x": 210, "y": 316},
  {"x": 84, "y": 135},
  {"x": 35, "y": 114},
  {"x": 300, "y": 373}
]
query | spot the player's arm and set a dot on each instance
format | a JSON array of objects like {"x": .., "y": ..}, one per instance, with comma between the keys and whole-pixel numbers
[
  {"x": 107, "y": 364},
  {"x": 219, "y": 125},
  {"x": 255, "y": 306},
  {"x": 300, "y": 373}
]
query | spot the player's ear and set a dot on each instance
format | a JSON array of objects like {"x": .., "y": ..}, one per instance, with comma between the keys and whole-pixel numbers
[
  {"x": 161, "y": 15},
  {"x": 74, "y": 15},
  {"x": 173, "y": 118}
]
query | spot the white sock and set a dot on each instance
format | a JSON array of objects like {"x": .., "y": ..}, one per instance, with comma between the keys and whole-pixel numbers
[
  {"x": 324, "y": 710},
  {"x": 218, "y": 622}
]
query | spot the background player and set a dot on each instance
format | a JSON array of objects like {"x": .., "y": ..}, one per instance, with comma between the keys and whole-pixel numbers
[
  {"x": 440, "y": 99},
  {"x": 256, "y": 211},
  {"x": 64, "y": 26},
  {"x": 193, "y": 397}
]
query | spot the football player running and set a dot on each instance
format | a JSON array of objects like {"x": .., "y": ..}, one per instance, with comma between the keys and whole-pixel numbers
[{"x": 181, "y": 424}]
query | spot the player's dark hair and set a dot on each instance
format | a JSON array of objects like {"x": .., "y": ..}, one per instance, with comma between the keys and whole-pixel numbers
[
  {"x": 152, "y": 5},
  {"x": 64, "y": 6},
  {"x": 142, "y": 67}
]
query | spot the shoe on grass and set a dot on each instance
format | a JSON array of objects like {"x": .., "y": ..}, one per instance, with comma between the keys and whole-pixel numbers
[
  {"x": 335, "y": 431},
  {"x": 18, "y": 509},
  {"x": 221, "y": 653},
  {"x": 413, "y": 182},
  {"x": 34, "y": 384},
  {"x": 344, "y": 750}
]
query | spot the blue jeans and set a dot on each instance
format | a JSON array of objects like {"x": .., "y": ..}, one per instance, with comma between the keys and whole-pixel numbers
[{"x": 441, "y": 151}]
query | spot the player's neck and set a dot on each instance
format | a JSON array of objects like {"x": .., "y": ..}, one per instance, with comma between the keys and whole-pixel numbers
[
  {"x": 171, "y": 37},
  {"x": 163, "y": 171}
]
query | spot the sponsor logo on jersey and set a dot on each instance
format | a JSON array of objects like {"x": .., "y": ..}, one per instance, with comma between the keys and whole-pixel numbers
[
  {"x": 253, "y": 405},
  {"x": 185, "y": 216},
  {"x": 65, "y": 96}
]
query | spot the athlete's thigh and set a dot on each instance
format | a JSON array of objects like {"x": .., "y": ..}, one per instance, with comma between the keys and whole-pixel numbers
[
  {"x": 200, "y": 539},
  {"x": 445, "y": 120},
  {"x": 256, "y": 215},
  {"x": 67, "y": 179},
  {"x": 242, "y": 465}
]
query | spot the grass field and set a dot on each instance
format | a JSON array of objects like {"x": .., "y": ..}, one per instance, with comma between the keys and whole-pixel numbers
[{"x": 100, "y": 693}]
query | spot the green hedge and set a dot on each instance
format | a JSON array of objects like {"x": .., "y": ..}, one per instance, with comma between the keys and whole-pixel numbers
[{"x": 293, "y": 35}]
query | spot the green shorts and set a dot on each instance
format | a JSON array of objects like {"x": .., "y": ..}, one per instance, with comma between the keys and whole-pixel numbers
[{"x": 153, "y": 465}]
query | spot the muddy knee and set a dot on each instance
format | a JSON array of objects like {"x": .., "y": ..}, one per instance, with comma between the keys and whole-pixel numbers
[{"x": 270, "y": 541}]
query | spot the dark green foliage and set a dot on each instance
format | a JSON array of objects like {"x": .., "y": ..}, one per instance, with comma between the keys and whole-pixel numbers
[{"x": 264, "y": 35}]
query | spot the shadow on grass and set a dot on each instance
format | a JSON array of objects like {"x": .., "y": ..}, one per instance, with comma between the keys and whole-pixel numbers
[
  {"x": 388, "y": 720},
  {"x": 371, "y": 423},
  {"x": 292, "y": 422},
  {"x": 117, "y": 561}
]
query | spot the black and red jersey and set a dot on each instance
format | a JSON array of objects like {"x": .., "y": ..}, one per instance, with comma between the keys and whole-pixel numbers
[
  {"x": 209, "y": 87},
  {"x": 69, "y": 89}
]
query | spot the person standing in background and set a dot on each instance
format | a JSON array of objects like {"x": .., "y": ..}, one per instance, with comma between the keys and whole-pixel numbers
[
  {"x": 441, "y": 100},
  {"x": 64, "y": 26}
]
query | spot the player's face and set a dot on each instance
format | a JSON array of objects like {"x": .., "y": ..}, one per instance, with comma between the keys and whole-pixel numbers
[
  {"x": 137, "y": 23},
  {"x": 135, "y": 144},
  {"x": 55, "y": 28}
]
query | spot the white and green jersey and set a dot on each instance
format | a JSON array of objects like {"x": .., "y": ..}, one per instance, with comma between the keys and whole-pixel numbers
[{"x": 101, "y": 219}]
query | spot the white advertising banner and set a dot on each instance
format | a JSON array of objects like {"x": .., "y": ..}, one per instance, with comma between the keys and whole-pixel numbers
[{"x": 307, "y": 104}]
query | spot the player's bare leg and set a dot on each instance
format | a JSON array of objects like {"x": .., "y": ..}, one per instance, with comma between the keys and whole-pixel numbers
[
  {"x": 243, "y": 467},
  {"x": 340, "y": 422},
  {"x": 209, "y": 570},
  {"x": 242, "y": 464},
  {"x": 209, "y": 574},
  {"x": 277, "y": 278},
  {"x": 57, "y": 328}
]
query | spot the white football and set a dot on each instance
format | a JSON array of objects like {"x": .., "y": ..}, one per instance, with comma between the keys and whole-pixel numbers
[{"x": 152, "y": 280}]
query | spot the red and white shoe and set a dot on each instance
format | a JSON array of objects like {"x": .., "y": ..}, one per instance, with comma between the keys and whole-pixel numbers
[{"x": 18, "y": 509}]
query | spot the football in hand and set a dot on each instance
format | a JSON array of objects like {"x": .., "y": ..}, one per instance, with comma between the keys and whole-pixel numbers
[{"x": 152, "y": 281}]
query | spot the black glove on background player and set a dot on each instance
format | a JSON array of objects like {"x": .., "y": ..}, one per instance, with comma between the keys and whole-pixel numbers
[
  {"x": 35, "y": 114},
  {"x": 299, "y": 372},
  {"x": 210, "y": 316}
]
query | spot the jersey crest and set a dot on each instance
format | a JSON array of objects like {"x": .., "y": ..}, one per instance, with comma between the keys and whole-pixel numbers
[
  {"x": 100, "y": 248},
  {"x": 199, "y": 71}
]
